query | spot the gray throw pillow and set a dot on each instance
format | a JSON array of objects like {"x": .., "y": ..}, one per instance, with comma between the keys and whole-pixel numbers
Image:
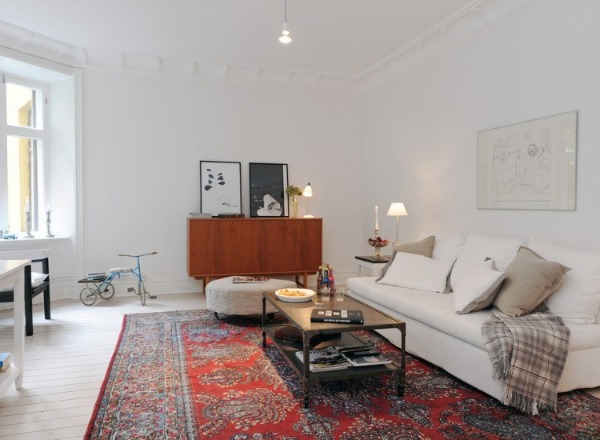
[
  {"x": 422, "y": 247},
  {"x": 530, "y": 279}
]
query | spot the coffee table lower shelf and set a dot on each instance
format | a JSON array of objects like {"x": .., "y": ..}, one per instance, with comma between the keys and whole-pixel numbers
[{"x": 289, "y": 349}]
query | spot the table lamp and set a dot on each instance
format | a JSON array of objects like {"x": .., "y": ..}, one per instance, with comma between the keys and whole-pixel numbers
[
  {"x": 397, "y": 209},
  {"x": 308, "y": 194}
]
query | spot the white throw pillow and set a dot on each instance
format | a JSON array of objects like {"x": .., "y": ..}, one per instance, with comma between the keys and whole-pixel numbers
[
  {"x": 477, "y": 288},
  {"x": 477, "y": 248},
  {"x": 417, "y": 272},
  {"x": 577, "y": 300},
  {"x": 447, "y": 246}
]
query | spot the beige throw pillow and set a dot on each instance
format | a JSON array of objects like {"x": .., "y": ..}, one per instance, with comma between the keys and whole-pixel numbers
[
  {"x": 530, "y": 279},
  {"x": 422, "y": 247}
]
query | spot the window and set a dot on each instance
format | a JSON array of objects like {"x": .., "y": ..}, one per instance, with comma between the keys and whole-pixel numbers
[{"x": 22, "y": 143}]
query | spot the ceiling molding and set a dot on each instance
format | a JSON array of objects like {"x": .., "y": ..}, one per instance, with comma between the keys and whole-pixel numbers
[{"x": 473, "y": 17}]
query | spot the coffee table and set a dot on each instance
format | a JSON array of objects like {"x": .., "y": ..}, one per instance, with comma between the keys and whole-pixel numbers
[{"x": 318, "y": 335}]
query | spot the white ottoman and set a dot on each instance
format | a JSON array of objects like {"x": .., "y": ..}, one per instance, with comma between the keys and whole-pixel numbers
[{"x": 225, "y": 296}]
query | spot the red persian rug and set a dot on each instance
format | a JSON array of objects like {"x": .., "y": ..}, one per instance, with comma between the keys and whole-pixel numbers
[{"x": 187, "y": 375}]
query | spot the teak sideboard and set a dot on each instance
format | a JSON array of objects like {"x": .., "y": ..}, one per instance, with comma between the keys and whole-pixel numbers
[{"x": 221, "y": 247}]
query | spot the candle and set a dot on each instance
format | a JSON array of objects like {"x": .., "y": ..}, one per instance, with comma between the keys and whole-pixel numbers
[{"x": 376, "y": 217}]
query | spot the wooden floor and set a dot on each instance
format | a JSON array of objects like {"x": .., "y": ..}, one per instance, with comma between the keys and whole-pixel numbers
[
  {"x": 66, "y": 360},
  {"x": 65, "y": 363}
]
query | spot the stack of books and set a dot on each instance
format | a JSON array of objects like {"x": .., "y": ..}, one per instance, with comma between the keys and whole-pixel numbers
[
  {"x": 97, "y": 276},
  {"x": 326, "y": 359},
  {"x": 363, "y": 356},
  {"x": 337, "y": 316},
  {"x": 343, "y": 357},
  {"x": 244, "y": 279}
]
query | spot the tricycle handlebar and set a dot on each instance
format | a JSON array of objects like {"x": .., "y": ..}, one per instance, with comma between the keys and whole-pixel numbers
[{"x": 141, "y": 255}]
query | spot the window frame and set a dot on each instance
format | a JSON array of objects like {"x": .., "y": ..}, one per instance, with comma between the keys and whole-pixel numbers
[{"x": 40, "y": 178}]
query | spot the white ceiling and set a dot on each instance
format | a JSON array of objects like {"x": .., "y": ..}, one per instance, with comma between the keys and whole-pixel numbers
[{"x": 340, "y": 37}]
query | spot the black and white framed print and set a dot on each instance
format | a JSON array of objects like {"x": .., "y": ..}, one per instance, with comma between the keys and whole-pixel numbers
[
  {"x": 220, "y": 187},
  {"x": 268, "y": 182},
  {"x": 529, "y": 165}
]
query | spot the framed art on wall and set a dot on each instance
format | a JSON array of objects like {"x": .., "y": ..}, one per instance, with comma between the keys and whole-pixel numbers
[
  {"x": 529, "y": 165},
  {"x": 220, "y": 187},
  {"x": 268, "y": 182}
]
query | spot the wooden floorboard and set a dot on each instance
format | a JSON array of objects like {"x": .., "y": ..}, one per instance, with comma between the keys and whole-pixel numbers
[{"x": 65, "y": 363}]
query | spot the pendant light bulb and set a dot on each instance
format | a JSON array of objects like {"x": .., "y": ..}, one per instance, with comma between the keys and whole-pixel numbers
[
  {"x": 285, "y": 32},
  {"x": 285, "y": 35}
]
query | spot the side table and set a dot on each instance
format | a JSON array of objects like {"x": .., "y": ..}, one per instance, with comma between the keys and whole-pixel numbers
[{"x": 374, "y": 264}]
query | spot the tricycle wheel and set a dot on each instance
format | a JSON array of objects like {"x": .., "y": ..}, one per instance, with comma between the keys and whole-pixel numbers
[
  {"x": 106, "y": 290},
  {"x": 88, "y": 296}
]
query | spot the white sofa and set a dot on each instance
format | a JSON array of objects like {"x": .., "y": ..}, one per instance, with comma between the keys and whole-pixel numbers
[{"x": 453, "y": 341}]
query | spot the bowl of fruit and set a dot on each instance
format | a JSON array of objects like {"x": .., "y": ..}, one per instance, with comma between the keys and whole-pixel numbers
[{"x": 378, "y": 243}]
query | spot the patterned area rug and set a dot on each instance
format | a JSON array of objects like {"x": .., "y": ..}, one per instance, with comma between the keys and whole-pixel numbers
[{"x": 187, "y": 375}]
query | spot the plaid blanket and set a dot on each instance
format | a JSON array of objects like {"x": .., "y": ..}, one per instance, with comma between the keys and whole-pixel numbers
[{"x": 529, "y": 354}]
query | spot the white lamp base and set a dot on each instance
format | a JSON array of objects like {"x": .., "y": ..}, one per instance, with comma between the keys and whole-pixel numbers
[{"x": 309, "y": 216}]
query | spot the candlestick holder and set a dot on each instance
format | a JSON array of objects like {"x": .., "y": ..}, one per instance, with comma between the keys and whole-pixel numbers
[
  {"x": 48, "y": 221},
  {"x": 28, "y": 234},
  {"x": 378, "y": 243}
]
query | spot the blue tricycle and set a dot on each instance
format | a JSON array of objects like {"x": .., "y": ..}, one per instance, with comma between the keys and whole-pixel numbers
[{"x": 101, "y": 284}]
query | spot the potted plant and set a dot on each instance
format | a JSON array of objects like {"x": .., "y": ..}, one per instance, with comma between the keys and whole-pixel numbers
[{"x": 294, "y": 192}]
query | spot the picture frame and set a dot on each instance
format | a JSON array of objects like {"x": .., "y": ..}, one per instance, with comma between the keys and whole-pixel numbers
[
  {"x": 220, "y": 187},
  {"x": 268, "y": 182},
  {"x": 529, "y": 165}
]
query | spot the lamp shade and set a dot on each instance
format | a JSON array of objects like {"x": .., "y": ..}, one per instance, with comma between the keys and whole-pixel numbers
[
  {"x": 307, "y": 191},
  {"x": 397, "y": 209}
]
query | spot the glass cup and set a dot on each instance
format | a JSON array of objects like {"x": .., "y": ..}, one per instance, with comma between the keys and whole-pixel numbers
[
  {"x": 340, "y": 293},
  {"x": 325, "y": 294}
]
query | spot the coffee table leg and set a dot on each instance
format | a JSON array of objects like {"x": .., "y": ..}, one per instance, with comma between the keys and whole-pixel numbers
[
  {"x": 264, "y": 316},
  {"x": 305, "y": 379},
  {"x": 402, "y": 378}
]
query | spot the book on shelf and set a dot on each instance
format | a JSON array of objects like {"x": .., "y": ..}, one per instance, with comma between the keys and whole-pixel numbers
[
  {"x": 326, "y": 359},
  {"x": 340, "y": 316},
  {"x": 5, "y": 359},
  {"x": 199, "y": 215},
  {"x": 373, "y": 259},
  {"x": 366, "y": 359},
  {"x": 242, "y": 279}
]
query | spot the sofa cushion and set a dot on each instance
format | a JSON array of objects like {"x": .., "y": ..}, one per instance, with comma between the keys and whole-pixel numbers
[
  {"x": 477, "y": 288},
  {"x": 577, "y": 299},
  {"x": 429, "y": 308},
  {"x": 436, "y": 311},
  {"x": 478, "y": 248},
  {"x": 417, "y": 272},
  {"x": 422, "y": 247},
  {"x": 447, "y": 246},
  {"x": 530, "y": 279}
]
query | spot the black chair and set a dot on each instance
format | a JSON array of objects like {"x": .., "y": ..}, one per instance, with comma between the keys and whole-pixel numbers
[{"x": 33, "y": 287}]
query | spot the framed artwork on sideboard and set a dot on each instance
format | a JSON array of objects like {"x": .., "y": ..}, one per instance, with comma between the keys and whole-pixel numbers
[
  {"x": 220, "y": 187},
  {"x": 530, "y": 165},
  {"x": 268, "y": 182}
]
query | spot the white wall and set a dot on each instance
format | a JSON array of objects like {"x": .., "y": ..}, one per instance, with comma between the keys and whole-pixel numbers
[
  {"x": 410, "y": 139},
  {"x": 144, "y": 136},
  {"x": 421, "y": 127}
]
